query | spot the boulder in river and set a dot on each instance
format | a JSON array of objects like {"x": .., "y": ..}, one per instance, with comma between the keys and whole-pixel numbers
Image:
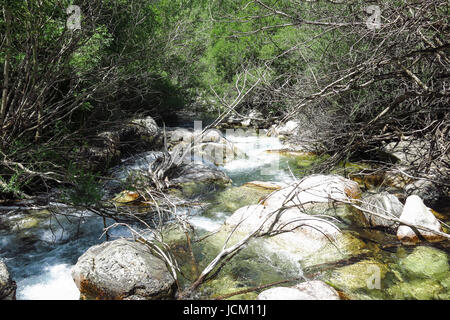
[
  {"x": 312, "y": 240},
  {"x": 362, "y": 280},
  {"x": 285, "y": 129},
  {"x": 122, "y": 269},
  {"x": 416, "y": 213},
  {"x": 384, "y": 204},
  {"x": 309, "y": 290},
  {"x": 139, "y": 135},
  {"x": 211, "y": 147},
  {"x": 107, "y": 147},
  {"x": 194, "y": 178},
  {"x": 424, "y": 274},
  {"x": 315, "y": 189},
  {"x": 426, "y": 262},
  {"x": 7, "y": 285},
  {"x": 233, "y": 198}
]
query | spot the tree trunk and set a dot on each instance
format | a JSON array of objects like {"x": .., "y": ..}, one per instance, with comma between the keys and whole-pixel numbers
[{"x": 7, "y": 16}]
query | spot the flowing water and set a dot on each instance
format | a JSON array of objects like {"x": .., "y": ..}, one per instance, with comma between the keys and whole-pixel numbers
[{"x": 41, "y": 247}]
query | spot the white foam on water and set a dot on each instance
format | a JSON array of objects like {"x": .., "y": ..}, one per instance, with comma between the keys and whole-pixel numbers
[
  {"x": 205, "y": 223},
  {"x": 255, "y": 148},
  {"x": 55, "y": 283}
]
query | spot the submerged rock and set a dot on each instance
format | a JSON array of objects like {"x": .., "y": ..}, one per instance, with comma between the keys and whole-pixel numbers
[
  {"x": 416, "y": 213},
  {"x": 312, "y": 240},
  {"x": 7, "y": 285},
  {"x": 122, "y": 269},
  {"x": 384, "y": 204},
  {"x": 233, "y": 198},
  {"x": 211, "y": 146},
  {"x": 361, "y": 280},
  {"x": 285, "y": 129},
  {"x": 309, "y": 290},
  {"x": 426, "y": 262},
  {"x": 420, "y": 289}
]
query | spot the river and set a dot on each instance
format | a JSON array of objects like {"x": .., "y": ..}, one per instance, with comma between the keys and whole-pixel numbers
[{"x": 40, "y": 248}]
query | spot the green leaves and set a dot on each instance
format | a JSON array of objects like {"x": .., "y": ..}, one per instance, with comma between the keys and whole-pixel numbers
[{"x": 86, "y": 190}]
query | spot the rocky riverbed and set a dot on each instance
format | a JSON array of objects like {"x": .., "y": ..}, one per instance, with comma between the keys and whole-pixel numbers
[{"x": 313, "y": 228}]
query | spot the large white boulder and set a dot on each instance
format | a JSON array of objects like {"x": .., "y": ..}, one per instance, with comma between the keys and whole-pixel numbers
[
  {"x": 122, "y": 269},
  {"x": 416, "y": 213}
]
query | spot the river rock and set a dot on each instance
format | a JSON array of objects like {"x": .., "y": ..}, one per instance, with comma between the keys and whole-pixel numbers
[
  {"x": 122, "y": 269},
  {"x": 359, "y": 281},
  {"x": 211, "y": 147},
  {"x": 249, "y": 217},
  {"x": 384, "y": 204},
  {"x": 7, "y": 285},
  {"x": 309, "y": 290},
  {"x": 254, "y": 118},
  {"x": 304, "y": 237},
  {"x": 416, "y": 213},
  {"x": 177, "y": 135},
  {"x": 217, "y": 153},
  {"x": 426, "y": 262},
  {"x": 418, "y": 289},
  {"x": 315, "y": 189},
  {"x": 106, "y": 148},
  {"x": 198, "y": 172},
  {"x": 285, "y": 129},
  {"x": 233, "y": 198},
  {"x": 409, "y": 150}
]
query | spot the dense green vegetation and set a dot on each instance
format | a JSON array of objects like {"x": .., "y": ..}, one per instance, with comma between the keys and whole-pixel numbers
[{"x": 315, "y": 61}]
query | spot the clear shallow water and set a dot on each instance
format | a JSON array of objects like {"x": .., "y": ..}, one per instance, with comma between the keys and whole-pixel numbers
[
  {"x": 40, "y": 258},
  {"x": 260, "y": 165}
]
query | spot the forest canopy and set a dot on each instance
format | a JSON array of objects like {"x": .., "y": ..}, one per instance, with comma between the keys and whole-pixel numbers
[{"x": 356, "y": 74}]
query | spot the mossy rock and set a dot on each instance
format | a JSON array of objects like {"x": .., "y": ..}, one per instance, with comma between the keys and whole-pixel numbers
[
  {"x": 126, "y": 196},
  {"x": 345, "y": 247},
  {"x": 301, "y": 163},
  {"x": 193, "y": 189},
  {"x": 426, "y": 263},
  {"x": 233, "y": 198},
  {"x": 428, "y": 289},
  {"x": 25, "y": 223},
  {"x": 31, "y": 219},
  {"x": 354, "y": 279},
  {"x": 227, "y": 285}
]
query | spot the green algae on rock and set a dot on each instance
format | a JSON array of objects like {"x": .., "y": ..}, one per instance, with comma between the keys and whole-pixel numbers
[
  {"x": 426, "y": 262},
  {"x": 419, "y": 289},
  {"x": 356, "y": 280}
]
